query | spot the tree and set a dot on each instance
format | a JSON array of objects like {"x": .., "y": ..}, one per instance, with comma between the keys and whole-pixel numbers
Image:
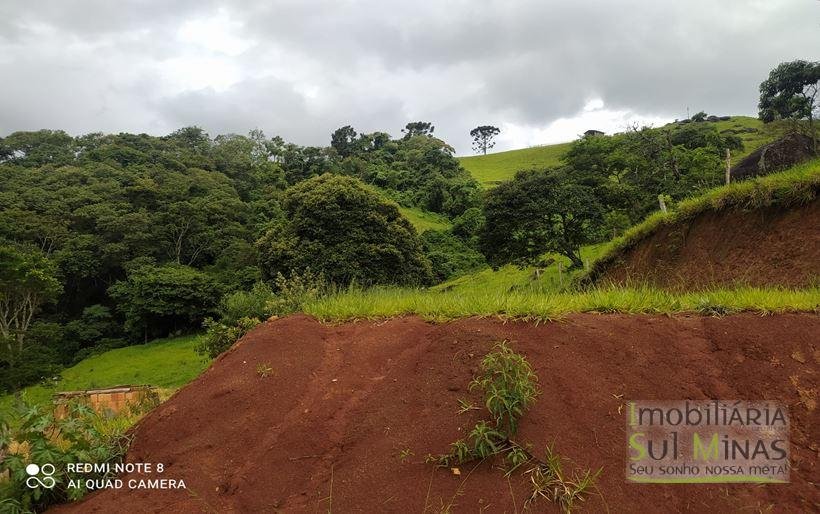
[
  {"x": 448, "y": 255},
  {"x": 539, "y": 212},
  {"x": 337, "y": 226},
  {"x": 159, "y": 300},
  {"x": 483, "y": 138},
  {"x": 343, "y": 140},
  {"x": 790, "y": 92},
  {"x": 418, "y": 128},
  {"x": 27, "y": 281}
]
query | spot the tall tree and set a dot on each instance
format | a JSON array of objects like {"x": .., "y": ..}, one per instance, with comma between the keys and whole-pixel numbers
[
  {"x": 539, "y": 212},
  {"x": 790, "y": 92},
  {"x": 27, "y": 281},
  {"x": 340, "y": 227},
  {"x": 483, "y": 138},
  {"x": 418, "y": 128},
  {"x": 343, "y": 140}
]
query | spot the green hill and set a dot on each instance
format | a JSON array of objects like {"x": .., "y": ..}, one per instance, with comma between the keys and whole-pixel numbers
[
  {"x": 165, "y": 363},
  {"x": 493, "y": 168},
  {"x": 424, "y": 220}
]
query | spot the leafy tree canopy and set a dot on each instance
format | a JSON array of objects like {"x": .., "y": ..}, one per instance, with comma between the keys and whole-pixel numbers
[
  {"x": 483, "y": 138},
  {"x": 339, "y": 227},
  {"x": 539, "y": 212}
]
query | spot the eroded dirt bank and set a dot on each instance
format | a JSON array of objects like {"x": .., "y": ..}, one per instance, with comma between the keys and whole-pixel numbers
[
  {"x": 764, "y": 247},
  {"x": 343, "y": 403}
]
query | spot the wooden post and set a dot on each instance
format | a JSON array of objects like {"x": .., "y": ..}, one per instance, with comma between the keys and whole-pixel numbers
[
  {"x": 728, "y": 165},
  {"x": 662, "y": 203}
]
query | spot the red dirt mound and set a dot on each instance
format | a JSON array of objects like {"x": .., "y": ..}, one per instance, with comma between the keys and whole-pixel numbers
[
  {"x": 765, "y": 247},
  {"x": 348, "y": 413}
]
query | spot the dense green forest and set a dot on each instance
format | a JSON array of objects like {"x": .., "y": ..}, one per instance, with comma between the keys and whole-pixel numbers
[{"x": 115, "y": 239}]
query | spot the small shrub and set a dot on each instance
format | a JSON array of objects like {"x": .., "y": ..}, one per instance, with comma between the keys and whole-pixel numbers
[
  {"x": 246, "y": 304},
  {"x": 509, "y": 386},
  {"x": 293, "y": 291},
  {"x": 219, "y": 336}
]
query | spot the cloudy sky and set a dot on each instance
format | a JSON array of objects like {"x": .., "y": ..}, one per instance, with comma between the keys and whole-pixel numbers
[{"x": 543, "y": 71}]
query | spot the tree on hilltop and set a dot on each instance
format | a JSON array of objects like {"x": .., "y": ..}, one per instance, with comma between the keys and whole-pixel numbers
[
  {"x": 790, "y": 92},
  {"x": 418, "y": 128},
  {"x": 483, "y": 138}
]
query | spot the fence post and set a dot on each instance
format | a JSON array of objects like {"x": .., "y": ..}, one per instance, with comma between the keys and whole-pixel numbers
[{"x": 728, "y": 166}]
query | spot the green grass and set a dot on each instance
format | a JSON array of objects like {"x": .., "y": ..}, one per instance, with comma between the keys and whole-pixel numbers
[
  {"x": 510, "y": 277},
  {"x": 492, "y": 169},
  {"x": 796, "y": 186},
  {"x": 164, "y": 363},
  {"x": 376, "y": 303},
  {"x": 424, "y": 220},
  {"x": 765, "y": 133}
]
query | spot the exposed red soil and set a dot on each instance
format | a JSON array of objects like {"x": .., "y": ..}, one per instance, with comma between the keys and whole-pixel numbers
[
  {"x": 764, "y": 247},
  {"x": 344, "y": 401}
]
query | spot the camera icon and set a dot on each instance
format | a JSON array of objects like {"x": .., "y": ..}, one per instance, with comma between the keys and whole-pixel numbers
[{"x": 34, "y": 480}]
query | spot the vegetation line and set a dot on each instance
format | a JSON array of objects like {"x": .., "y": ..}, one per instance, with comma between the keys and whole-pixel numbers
[{"x": 356, "y": 303}]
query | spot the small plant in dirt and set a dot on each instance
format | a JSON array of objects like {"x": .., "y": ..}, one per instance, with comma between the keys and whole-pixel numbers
[
  {"x": 466, "y": 406},
  {"x": 264, "y": 370},
  {"x": 510, "y": 387},
  {"x": 405, "y": 454},
  {"x": 551, "y": 482}
]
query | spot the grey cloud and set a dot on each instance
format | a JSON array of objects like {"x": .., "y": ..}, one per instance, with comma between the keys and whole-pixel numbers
[{"x": 377, "y": 64}]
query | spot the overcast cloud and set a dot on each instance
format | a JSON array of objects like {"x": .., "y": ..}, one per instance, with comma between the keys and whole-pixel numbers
[{"x": 543, "y": 71}]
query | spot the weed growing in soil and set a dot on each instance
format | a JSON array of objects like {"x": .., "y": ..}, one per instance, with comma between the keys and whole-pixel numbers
[
  {"x": 551, "y": 482},
  {"x": 510, "y": 386},
  {"x": 264, "y": 370},
  {"x": 466, "y": 406}
]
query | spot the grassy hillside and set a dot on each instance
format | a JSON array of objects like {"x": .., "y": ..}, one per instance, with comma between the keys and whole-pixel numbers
[
  {"x": 424, "y": 220},
  {"x": 165, "y": 363},
  {"x": 493, "y": 168},
  {"x": 519, "y": 293},
  {"x": 511, "y": 278},
  {"x": 742, "y": 127}
]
